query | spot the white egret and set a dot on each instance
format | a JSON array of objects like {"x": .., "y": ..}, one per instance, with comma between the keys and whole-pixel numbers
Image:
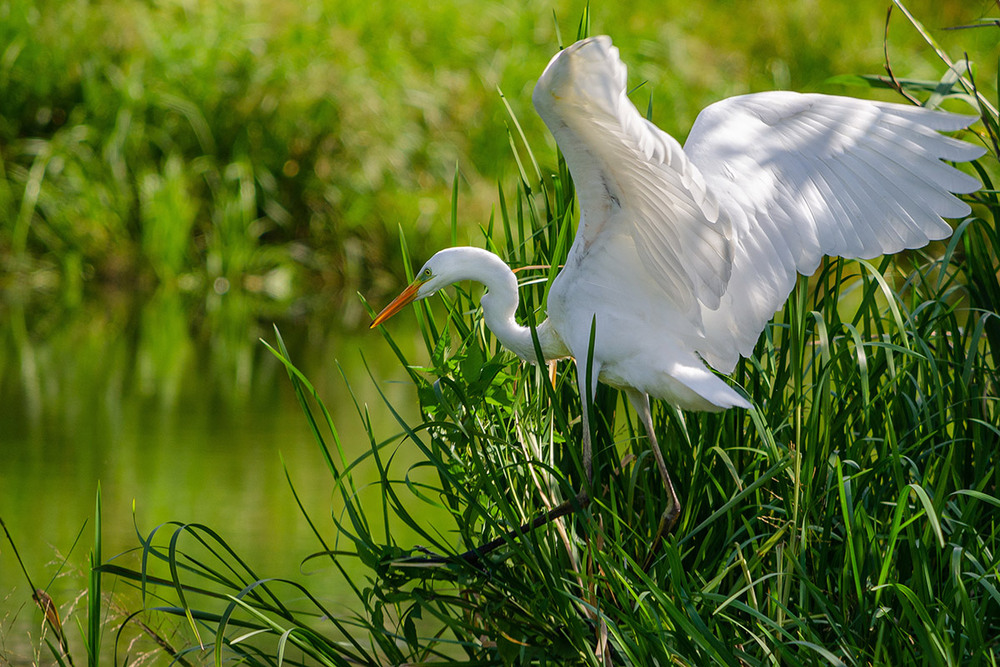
[{"x": 682, "y": 255}]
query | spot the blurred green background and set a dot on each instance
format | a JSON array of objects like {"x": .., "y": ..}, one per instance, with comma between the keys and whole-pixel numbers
[
  {"x": 280, "y": 146},
  {"x": 178, "y": 175}
]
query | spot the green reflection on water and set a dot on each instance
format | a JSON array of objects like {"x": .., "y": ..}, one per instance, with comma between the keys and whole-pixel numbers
[{"x": 173, "y": 403}]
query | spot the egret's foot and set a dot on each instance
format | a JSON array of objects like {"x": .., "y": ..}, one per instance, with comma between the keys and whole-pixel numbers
[
  {"x": 579, "y": 501},
  {"x": 428, "y": 558},
  {"x": 667, "y": 522},
  {"x": 473, "y": 556}
]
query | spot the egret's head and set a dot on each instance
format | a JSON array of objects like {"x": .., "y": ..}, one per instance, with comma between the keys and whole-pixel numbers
[{"x": 440, "y": 271}]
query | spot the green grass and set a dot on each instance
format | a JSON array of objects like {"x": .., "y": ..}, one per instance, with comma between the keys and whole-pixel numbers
[{"x": 852, "y": 516}]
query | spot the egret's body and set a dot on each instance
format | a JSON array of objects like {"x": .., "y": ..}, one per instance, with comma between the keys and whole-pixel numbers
[{"x": 682, "y": 255}]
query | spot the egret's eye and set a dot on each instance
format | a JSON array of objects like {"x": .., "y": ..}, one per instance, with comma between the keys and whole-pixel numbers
[{"x": 426, "y": 274}]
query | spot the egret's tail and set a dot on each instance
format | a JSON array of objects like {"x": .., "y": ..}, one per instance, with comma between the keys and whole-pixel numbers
[{"x": 710, "y": 393}]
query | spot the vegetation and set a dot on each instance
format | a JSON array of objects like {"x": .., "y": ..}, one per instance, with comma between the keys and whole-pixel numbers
[
  {"x": 277, "y": 148},
  {"x": 850, "y": 517},
  {"x": 53, "y": 631}
]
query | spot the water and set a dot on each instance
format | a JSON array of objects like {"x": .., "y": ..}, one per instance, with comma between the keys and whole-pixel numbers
[{"x": 174, "y": 407}]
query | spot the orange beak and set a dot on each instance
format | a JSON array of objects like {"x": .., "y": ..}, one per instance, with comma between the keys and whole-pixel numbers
[{"x": 407, "y": 296}]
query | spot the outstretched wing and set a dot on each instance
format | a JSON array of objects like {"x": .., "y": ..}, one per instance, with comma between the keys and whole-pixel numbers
[
  {"x": 802, "y": 176},
  {"x": 633, "y": 179}
]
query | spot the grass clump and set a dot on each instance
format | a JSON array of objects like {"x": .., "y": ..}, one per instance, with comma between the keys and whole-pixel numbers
[{"x": 852, "y": 516}]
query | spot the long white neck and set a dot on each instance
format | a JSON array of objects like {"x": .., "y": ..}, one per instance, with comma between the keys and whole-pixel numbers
[{"x": 500, "y": 302}]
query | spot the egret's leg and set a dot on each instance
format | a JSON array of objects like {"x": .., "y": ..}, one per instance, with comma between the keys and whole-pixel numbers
[
  {"x": 587, "y": 389},
  {"x": 640, "y": 402}
]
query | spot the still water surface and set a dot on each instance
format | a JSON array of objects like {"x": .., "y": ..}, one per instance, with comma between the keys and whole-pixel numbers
[{"x": 185, "y": 416}]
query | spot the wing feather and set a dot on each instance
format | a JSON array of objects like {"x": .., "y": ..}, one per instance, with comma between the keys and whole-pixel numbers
[
  {"x": 633, "y": 179},
  {"x": 802, "y": 176}
]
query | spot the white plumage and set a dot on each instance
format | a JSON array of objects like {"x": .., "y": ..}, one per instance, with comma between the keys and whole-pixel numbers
[{"x": 682, "y": 255}]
